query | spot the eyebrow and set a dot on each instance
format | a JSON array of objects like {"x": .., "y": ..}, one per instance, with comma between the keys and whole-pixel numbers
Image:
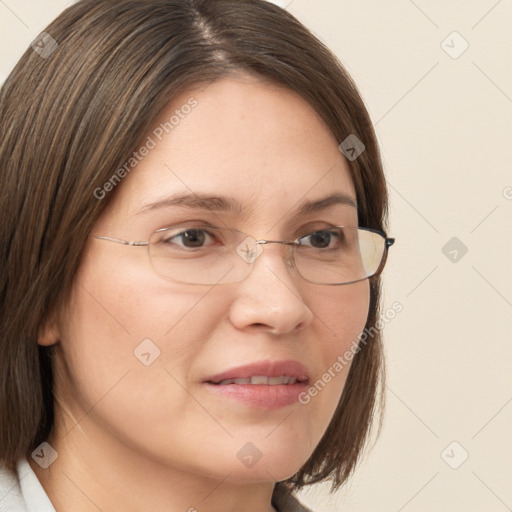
[{"x": 229, "y": 204}]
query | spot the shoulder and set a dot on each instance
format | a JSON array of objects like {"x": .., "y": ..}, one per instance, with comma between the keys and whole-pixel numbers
[{"x": 284, "y": 501}]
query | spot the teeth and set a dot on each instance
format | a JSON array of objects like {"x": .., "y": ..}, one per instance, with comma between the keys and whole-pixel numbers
[
  {"x": 241, "y": 381},
  {"x": 261, "y": 379}
]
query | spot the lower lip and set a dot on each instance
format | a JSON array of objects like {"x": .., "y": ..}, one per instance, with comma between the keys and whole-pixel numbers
[{"x": 260, "y": 395}]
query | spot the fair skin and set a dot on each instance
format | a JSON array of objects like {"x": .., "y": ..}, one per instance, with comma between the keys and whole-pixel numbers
[{"x": 136, "y": 438}]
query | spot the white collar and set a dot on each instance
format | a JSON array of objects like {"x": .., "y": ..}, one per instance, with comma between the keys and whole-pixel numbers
[{"x": 32, "y": 492}]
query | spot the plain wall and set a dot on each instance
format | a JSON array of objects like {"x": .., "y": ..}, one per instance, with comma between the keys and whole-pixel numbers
[{"x": 444, "y": 122}]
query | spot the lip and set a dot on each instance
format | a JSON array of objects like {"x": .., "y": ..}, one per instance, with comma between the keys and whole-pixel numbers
[
  {"x": 261, "y": 396},
  {"x": 265, "y": 368}
]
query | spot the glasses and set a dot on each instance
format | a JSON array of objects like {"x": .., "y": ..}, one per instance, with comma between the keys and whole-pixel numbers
[{"x": 209, "y": 255}]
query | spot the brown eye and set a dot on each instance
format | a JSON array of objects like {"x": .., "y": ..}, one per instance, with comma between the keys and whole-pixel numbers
[
  {"x": 193, "y": 238},
  {"x": 190, "y": 238},
  {"x": 323, "y": 239}
]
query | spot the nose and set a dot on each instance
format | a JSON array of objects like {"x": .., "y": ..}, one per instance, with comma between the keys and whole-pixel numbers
[{"x": 270, "y": 298}]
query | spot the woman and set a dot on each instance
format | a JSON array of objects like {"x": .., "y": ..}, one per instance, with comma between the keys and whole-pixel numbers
[{"x": 159, "y": 351}]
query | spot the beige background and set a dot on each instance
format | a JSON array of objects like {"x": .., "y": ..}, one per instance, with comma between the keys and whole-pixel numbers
[{"x": 445, "y": 127}]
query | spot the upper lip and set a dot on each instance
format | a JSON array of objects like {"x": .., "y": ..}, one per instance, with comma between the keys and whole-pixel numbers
[{"x": 266, "y": 368}]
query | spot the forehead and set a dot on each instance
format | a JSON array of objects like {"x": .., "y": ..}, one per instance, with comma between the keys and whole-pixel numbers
[{"x": 255, "y": 141}]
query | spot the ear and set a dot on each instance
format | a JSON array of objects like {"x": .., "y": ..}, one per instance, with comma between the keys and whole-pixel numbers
[{"x": 49, "y": 333}]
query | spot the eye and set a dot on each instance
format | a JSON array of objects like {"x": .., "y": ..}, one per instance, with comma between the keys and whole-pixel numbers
[
  {"x": 323, "y": 239},
  {"x": 189, "y": 238}
]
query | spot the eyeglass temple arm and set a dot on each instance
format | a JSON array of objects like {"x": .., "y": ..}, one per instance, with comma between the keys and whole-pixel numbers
[
  {"x": 124, "y": 242},
  {"x": 389, "y": 242}
]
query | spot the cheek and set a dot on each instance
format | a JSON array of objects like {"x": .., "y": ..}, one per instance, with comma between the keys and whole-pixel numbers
[
  {"x": 342, "y": 312},
  {"x": 341, "y": 315},
  {"x": 119, "y": 294},
  {"x": 133, "y": 332}
]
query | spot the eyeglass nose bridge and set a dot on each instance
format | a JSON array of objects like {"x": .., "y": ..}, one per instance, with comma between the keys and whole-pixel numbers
[
  {"x": 250, "y": 249},
  {"x": 284, "y": 242}
]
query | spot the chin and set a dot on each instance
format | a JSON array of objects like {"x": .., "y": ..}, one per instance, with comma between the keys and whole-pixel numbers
[
  {"x": 272, "y": 469},
  {"x": 262, "y": 475}
]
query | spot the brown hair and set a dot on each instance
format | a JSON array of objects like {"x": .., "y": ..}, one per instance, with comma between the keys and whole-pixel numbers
[{"x": 71, "y": 117}]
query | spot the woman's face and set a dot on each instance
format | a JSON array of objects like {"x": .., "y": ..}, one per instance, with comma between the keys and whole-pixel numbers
[{"x": 136, "y": 351}]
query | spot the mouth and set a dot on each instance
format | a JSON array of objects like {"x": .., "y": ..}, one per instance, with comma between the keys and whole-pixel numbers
[
  {"x": 259, "y": 380},
  {"x": 264, "y": 385}
]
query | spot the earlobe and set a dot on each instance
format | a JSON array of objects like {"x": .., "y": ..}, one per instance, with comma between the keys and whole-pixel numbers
[{"x": 49, "y": 334}]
